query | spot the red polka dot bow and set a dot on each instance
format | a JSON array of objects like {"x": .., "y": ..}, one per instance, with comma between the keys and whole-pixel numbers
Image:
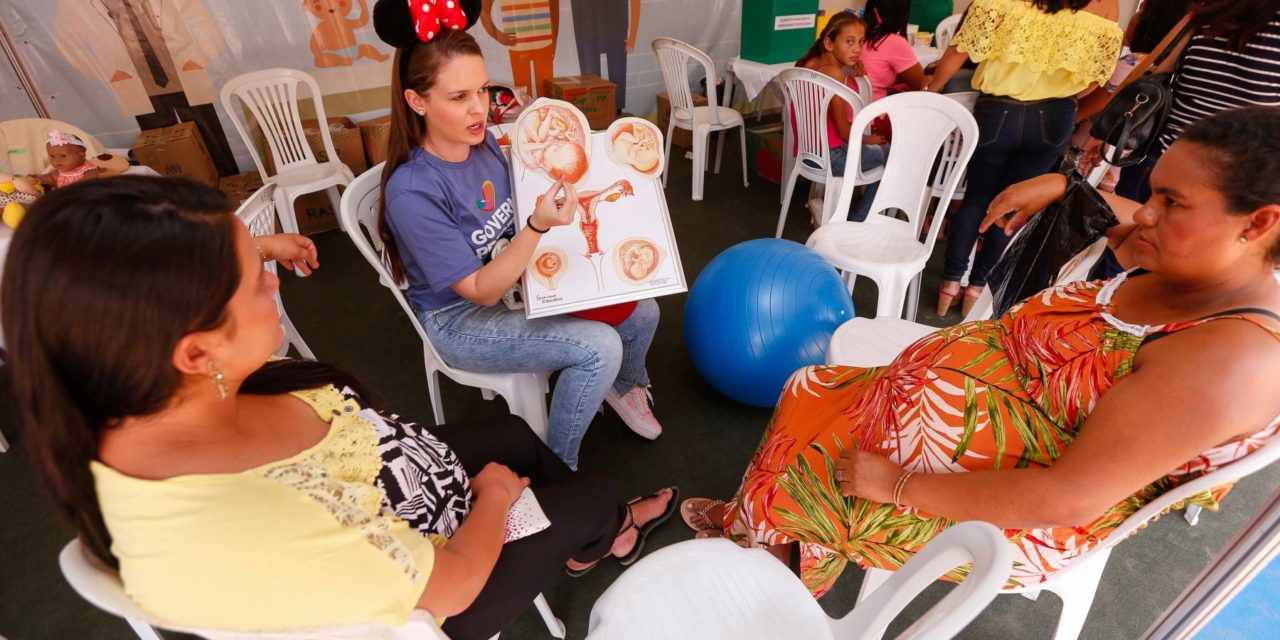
[{"x": 430, "y": 17}]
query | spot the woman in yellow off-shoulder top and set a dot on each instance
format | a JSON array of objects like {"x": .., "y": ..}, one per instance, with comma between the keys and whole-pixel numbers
[{"x": 1034, "y": 57}]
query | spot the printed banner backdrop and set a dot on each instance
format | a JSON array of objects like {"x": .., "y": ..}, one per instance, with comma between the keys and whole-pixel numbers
[{"x": 115, "y": 67}]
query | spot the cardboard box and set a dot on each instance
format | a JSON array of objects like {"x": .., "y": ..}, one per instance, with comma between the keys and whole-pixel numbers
[
  {"x": 346, "y": 142},
  {"x": 178, "y": 150},
  {"x": 239, "y": 187},
  {"x": 314, "y": 211},
  {"x": 594, "y": 96},
  {"x": 764, "y": 151},
  {"x": 374, "y": 135},
  {"x": 776, "y": 31},
  {"x": 682, "y": 138}
]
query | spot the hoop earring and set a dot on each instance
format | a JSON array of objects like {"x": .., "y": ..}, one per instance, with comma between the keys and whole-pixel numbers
[{"x": 219, "y": 381}]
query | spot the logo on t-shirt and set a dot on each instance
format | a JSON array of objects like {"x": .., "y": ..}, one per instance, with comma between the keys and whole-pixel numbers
[{"x": 488, "y": 197}]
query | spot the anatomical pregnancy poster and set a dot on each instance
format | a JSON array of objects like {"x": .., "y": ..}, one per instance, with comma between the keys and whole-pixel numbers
[{"x": 621, "y": 246}]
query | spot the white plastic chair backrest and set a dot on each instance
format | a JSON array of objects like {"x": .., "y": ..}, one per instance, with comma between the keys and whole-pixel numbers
[
  {"x": 922, "y": 123},
  {"x": 945, "y": 31},
  {"x": 271, "y": 95},
  {"x": 967, "y": 542},
  {"x": 809, "y": 97},
  {"x": 361, "y": 203},
  {"x": 101, "y": 586},
  {"x": 1228, "y": 473},
  {"x": 951, "y": 151},
  {"x": 864, "y": 89},
  {"x": 673, "y": 60},
  {"x": 259, "y": 214}
]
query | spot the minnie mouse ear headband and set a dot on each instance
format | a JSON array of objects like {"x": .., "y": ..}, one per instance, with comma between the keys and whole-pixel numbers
[{"x": 404, "y": 23}]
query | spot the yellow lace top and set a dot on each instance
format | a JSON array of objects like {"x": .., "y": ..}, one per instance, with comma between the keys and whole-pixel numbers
[
  {"x": 1027, "y": 54},
  {"x": 304, "y": 541}
]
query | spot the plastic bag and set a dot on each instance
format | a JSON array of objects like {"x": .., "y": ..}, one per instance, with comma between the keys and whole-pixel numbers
[{"x": 1031, "y": 262}]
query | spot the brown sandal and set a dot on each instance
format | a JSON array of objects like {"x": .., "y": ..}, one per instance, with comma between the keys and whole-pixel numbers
[{"x": 694, "y": 513}]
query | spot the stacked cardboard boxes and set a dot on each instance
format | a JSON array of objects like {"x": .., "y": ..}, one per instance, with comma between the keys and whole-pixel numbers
[{"x": 594, "y": 96}]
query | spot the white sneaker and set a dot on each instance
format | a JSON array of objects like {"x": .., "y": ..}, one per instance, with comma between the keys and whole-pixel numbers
[{"x": 633, "y": 408}]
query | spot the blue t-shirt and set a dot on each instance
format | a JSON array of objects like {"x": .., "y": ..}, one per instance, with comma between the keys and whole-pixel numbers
[{"x": 446, "y": 218}]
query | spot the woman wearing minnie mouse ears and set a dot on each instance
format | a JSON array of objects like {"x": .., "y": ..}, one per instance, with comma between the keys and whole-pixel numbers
[{"x": 450, "y": 230}]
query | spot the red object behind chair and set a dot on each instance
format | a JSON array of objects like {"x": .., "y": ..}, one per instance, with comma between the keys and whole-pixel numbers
[{"x": 612, "y": 315}]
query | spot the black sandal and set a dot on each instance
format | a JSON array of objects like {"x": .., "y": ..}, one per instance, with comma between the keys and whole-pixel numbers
[{"x": 644, "y": 529}]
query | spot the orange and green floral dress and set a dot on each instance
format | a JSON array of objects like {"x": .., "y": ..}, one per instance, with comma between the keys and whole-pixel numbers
[{"x": 997, "y": 394}]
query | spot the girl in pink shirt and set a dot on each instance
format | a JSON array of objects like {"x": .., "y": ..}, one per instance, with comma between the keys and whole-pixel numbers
[
  {"x": 839, "y": 47},
  {"x": 888, "y": 58}
]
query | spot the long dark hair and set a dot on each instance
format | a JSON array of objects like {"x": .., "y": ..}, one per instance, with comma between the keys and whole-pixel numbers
[
  {"x": 1244, "y": 157},
  {"x": 834, "y": 26},
  {"x": 885, "y": 18},
  {"x": 415, "y": 67},
  {"x": 1157, "y": 19},
  {"x": 1236, "y": 21},
  {"x": 1054, "y": 6},
  {"x": 102, "y": 280}
]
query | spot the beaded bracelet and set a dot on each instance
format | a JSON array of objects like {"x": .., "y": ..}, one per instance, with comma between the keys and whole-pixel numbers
[{"x": 899, "y": 486}]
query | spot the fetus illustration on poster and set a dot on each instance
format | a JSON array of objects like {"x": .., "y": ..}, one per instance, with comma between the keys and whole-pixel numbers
[{"x": 621, "y": 246}]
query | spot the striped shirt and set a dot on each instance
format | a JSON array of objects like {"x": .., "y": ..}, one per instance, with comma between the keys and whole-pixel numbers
[
  {"x": 528, "y": 22},
  {"x": 1213, "y": 78}
]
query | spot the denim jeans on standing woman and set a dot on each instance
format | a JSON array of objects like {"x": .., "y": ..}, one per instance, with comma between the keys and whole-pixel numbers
[
  {"x": 591, "y": 356},
  {"x": 1016, "y": 141}
]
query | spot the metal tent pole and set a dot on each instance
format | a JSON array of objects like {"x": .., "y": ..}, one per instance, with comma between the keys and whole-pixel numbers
[{"x": 20, "y": 68}]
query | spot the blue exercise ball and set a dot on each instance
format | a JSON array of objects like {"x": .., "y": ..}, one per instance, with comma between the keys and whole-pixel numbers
[{"x": 759, "y": 311}]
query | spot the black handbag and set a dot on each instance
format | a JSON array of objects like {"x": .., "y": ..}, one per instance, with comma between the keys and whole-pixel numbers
[
  {"x": 1133, "y": 118},
  {"x": 1053, "y": 237}
]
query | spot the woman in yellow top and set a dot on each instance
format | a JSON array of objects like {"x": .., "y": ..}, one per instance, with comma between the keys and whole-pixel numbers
[
  {"x": 235, "y": 493},
  {"x": 1034, "y": 57}
]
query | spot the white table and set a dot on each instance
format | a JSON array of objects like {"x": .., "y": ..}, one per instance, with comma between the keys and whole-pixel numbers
[
  {"x": 6, "y": 234},
  {"x": 758, "y": 76}
]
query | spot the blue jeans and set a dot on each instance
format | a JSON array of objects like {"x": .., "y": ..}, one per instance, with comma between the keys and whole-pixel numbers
[
  {"x": 590, "y": 356},
  {"x": 871, "y": 157},
  {"x": 1016, "y": 141}
]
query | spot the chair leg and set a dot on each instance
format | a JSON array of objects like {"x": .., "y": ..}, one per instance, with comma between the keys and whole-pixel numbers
[
  {"x": 890, "y": 295},
  {"x": 1077, "y": 590},
  {"x": 433, "y": 392},
  {"x": 144, "y": 630},
  {"x": 530, "y": 403},
  {"x": 700, "y": 139},
  {"x": 292, "y": 337},
  {"x": 554, "y": 624},
  {"x": 1191, "y": 515},
  {"x": 872, "y": 579},
  {"x": 720, "y": 148},
  {"x": 913, "y": 297},
  {"x": 284, "y": 210},
  {"x": 666, "y": 170},
  {"x": 786, "y": 204},
  {"x": 742, "y": 137},
  {"x": 335, "y": 201}
]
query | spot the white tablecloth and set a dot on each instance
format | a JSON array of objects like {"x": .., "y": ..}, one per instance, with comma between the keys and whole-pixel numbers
[
  {"x": 6, "y": 234},
  {"x": 756, "y": 76}
]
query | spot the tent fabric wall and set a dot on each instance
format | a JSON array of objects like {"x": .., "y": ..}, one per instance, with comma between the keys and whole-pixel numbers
[{"x": 74, "y": 50}]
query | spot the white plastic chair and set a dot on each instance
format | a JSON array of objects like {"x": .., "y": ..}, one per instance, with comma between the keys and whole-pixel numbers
[
  {"x": 525, "y": 393},
  {"x": 945, "y": 31},
  {"x": 886, "y": 249},
  {"x": 1077, "y": 583},
  {"x": 714, "y": 589},
  {"x": 950, "y": 153},
  {"x": 788, "y": 141},
  {"x": 271, "y": 95},
  {"x": 101, "y": 586},
  {"x": 809, "y": 95},
  {"x": 673, "y": 58},
  {"x": 4, "y": 443},
  {"x": 866, "y": 342},
  {"x": 258, "y": 213}
]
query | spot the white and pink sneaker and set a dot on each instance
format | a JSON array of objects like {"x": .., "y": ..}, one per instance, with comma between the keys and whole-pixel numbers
[{"x": 633, "y": 408}]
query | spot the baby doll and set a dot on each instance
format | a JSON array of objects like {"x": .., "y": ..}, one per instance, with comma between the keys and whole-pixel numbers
[{"x": 67, "y": 155}]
